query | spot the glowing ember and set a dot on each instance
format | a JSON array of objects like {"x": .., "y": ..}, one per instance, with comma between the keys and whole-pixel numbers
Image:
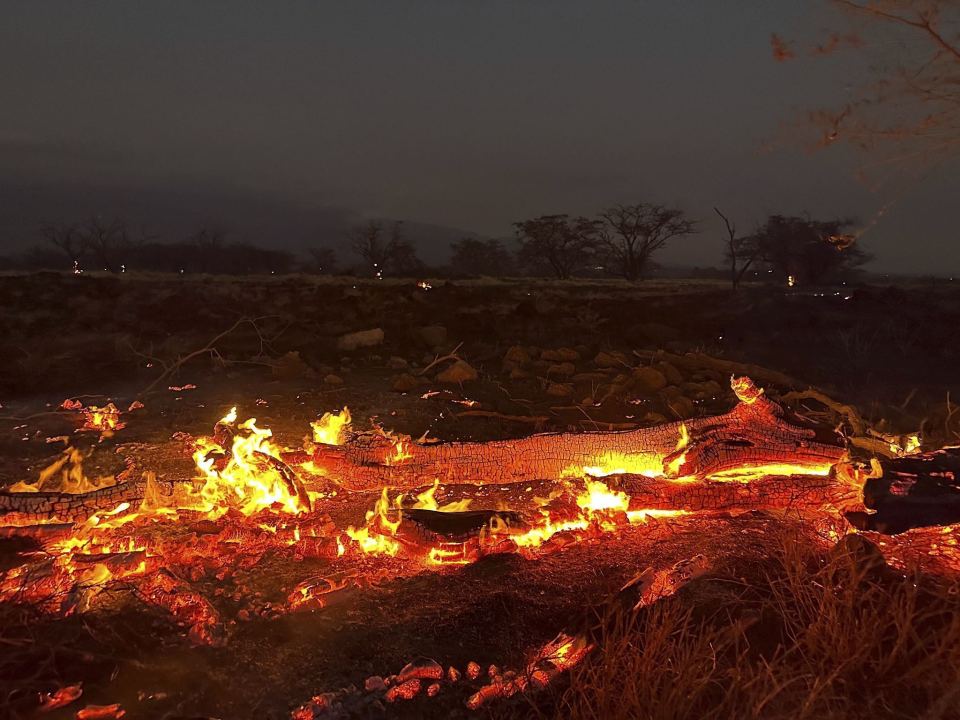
[{"x": 104, "y": 419}]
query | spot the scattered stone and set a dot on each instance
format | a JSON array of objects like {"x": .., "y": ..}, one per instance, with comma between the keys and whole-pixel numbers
[
  {"x": 397, "y": 363},
  {"x": 374, "y": 683},
  {"x": 702, "y": 390},
  {"x": 648, "y": 380},
  {"x": 516, "y": 357},
  {"x": 473, "y": 670},
  {"x": 566, "y": 354},
  {"x": 612, "y": 359},
  {"x": 460, "y": 372},
  {"x": 360, "y": 339},
  {"x": 405, "y": 382},
  {"x": 673, "y": 376},
  {"x": 334, "y": 380},
  {"x": 453, "y": 675},
  {"x": 433, "y": 689},
  {"x": 559, "y": 389},
  {"x": 562, "y": 369},
  {"x": 435, "y": 336}
]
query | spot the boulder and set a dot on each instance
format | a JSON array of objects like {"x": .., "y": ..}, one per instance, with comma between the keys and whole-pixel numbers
[
  {"x": 610, "y": 359},
  {"x": 670, "y": 372},
  {"x": 563, "y": 354},
  {"x": 648, "y": 380},
  {"x": 361, "y": 339},
  {"x": 561, "y": 390},
  {"x": 459, "y": 372},
  {"x": 565, "y": 369}
]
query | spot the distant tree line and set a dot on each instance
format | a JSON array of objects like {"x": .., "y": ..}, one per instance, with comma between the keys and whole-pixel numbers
[{"x": 620, "y": 241}]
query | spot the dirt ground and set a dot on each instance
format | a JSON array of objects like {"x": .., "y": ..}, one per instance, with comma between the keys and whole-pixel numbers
[{"x": 547, "y": 356}]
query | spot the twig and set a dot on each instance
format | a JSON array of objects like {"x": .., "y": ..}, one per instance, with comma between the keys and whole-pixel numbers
[
  {"x": 209, "y": 349},
  {"x": 846, "y": 411},
  {"x": 532, "y": 419},
  {"x": 452, "y": 355}
]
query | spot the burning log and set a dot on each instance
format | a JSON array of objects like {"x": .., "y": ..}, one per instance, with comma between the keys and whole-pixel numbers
[
  {"x": 756, "y": 433},
  {"x": 25, "y": 508},
  {"x": 796, "y": 492}
]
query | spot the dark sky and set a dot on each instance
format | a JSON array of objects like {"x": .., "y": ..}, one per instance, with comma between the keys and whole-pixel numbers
[{"x": 467, "y": 114}]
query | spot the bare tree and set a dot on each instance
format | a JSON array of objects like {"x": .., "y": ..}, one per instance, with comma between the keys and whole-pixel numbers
[
  {"x": 109, "y": 244},
  {"x": 741, "y": 252},
  {"x": 562, "y": 243},
  {"x": 207, "y": 245},
  {"x": 383, "y": 255},
  {"x": 631, "y": 234},
  {"x": 67, "y": 239},
  {"x": 323, "y": 260},
  {"x": 911, "y": 106}
]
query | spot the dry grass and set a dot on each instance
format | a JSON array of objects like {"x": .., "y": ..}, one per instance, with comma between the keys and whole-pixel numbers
[{"x": 809, "y": 636}]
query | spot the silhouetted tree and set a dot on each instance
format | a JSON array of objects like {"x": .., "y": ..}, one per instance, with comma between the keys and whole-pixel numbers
[
  {"x": 473, "y": 257},
  {"x": 69, "y": 240},
  {"x": 383, "y": 255},
  {"x": 323, "y": 260},
  {"x": 631, "y": 234},
  {"x": 562, "y": 243},
  {"x": 206, "y": 249},
  {"x": 811, "y": 252},
  {"x": 109, "y": 244},
  {"x": 741, "y": 252}
]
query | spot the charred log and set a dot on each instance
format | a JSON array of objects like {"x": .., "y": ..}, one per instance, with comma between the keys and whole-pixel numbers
[
  {"x": 40, "y": 507},
  {"x": 915, "y": 491},
  {"x": 756, "y": 433},
  {"x": 795, "y": 492}
]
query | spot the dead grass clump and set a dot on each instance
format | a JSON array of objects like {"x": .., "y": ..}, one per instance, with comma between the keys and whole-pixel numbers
[{"x": 812, "y": 635}]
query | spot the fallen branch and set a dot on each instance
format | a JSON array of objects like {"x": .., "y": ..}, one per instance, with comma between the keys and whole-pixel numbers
[
  {"x": 452, "y": 355},
  {"x": 209, "y": 349}
]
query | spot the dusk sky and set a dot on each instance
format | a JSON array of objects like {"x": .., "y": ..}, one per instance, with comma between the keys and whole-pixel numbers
[{"x": 469, "y": 115}]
